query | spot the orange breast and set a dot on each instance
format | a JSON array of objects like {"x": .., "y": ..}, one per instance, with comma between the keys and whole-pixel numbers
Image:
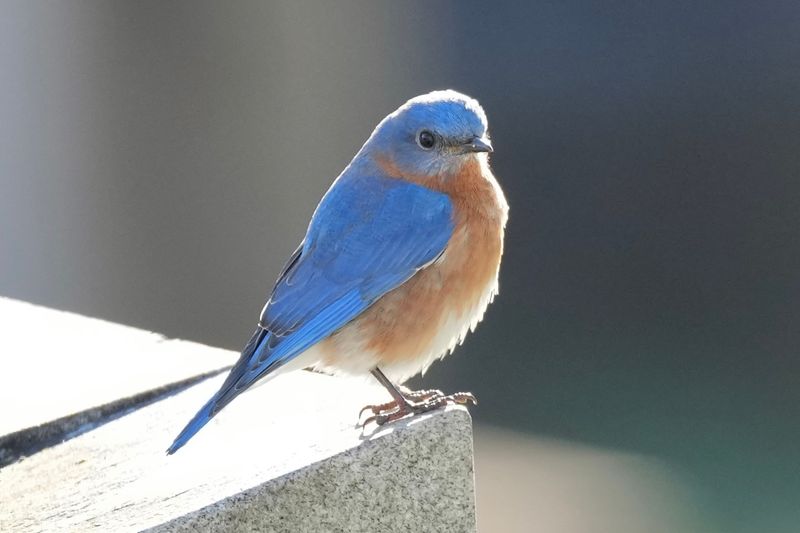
[{"x": 407, "y": 322}]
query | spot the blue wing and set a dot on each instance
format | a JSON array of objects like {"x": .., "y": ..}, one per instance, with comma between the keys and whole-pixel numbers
[{"x": 367, "y": 236}]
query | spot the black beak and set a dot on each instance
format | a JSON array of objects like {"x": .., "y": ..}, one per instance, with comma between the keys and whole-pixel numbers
[{"x": 478, "y": 144}]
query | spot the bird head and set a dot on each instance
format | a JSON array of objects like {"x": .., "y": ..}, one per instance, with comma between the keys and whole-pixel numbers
[{"x": 431, "y": 134}]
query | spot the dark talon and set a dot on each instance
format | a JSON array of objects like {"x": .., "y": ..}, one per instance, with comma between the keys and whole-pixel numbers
[
  {"x": 411, "y": 396},
  {"x": 407, "y": 402},
  {"x": 391, "y": 411},
  {"x": 377, "y": 409},
  {"x": 464, "y": 398}
]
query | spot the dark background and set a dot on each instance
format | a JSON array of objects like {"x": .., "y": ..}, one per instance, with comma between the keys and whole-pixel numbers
[{"x": 159, "y": 161}]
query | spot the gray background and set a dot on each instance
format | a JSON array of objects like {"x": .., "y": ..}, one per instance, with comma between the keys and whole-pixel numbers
[{"x": 159, "y": 161}]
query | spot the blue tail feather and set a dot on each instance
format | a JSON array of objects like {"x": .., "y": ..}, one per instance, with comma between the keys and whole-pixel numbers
[
  {"x": 200, "y": 419},
  {"x": 222, "y": 397}
]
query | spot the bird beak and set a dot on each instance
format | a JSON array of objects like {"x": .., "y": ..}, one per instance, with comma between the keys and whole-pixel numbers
[{"x": 478, "y": 144}]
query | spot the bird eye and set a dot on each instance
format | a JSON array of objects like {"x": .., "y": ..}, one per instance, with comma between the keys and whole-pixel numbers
[{"x": 426, "y": 140}]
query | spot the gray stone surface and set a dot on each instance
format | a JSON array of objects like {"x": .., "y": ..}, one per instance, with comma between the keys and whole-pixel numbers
[
  {"x": 62, "y": 373},
  {"x": 287, "y": 456},
  {"x": 55, "y": 363},
  {"x": 411, "y": 479}
]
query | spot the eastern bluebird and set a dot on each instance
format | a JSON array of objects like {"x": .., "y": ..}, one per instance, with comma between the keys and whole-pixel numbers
[{"x": 399, "y": 262}]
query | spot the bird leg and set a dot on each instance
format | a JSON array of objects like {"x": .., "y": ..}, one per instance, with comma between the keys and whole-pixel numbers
[{"x": 407, "y": 402}]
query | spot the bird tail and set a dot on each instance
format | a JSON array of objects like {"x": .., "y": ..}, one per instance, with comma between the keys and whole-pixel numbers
[
  {"x": 200, "y": 419},
  {"x": 225, "y": 394}
]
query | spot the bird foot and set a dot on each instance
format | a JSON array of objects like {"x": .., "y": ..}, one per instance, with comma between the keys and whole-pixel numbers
[
  {"x": 415, "y": 403},
  {"x": 411, "y": 396}
]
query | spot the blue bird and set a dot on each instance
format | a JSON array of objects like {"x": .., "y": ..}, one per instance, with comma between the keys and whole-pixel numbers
[{"x": 399, "y": 262}]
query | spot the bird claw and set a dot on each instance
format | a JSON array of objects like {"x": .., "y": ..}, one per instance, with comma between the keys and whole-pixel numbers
[
  {"x": 377, "y": 409},
  {"x": 417, "y": 402},
  {"x": 411, "y": 396}
]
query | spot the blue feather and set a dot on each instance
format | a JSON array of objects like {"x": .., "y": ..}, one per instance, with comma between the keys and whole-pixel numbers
[{"x": 212, "y": 406}]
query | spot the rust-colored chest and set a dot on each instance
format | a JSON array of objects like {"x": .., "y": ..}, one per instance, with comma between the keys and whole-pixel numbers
[{"x": 431, "y": 311}]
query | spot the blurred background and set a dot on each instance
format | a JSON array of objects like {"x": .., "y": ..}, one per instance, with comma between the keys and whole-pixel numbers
[{"x": 639, "y": 370}]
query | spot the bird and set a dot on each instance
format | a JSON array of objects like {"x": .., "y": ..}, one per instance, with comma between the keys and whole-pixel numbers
[{"x": 399, "y": 262}]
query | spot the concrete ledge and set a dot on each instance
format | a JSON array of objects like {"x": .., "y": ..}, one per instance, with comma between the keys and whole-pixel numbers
[
  {"x": 410, "y": 478},
  {"x": 62, "y": 373},
  {"x": 287, "y": 456}
]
